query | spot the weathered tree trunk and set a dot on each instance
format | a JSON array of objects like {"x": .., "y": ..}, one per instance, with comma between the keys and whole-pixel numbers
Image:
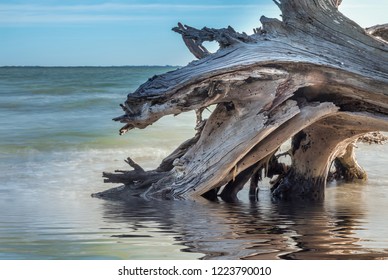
[{"x": 315, "y": 76}]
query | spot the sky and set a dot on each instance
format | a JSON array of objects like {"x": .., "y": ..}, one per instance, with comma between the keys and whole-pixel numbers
[{"x": 132, "y": 32}]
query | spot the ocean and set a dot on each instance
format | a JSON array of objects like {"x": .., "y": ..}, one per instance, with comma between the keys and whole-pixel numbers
[{"x": 57, "y": 137}]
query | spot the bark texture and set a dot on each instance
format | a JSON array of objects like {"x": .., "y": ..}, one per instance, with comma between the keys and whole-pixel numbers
[{"x": 316, "y": 77}]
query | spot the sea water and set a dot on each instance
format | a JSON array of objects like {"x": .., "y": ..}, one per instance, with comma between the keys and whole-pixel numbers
[{"x": 57, "y": 137}]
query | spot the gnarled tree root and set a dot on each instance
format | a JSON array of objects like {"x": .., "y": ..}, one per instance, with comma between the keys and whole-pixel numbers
[{"x": 316, "y": 77}]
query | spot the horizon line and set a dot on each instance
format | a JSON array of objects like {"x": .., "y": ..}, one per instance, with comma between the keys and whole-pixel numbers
[{"x": 85, "y": 66}]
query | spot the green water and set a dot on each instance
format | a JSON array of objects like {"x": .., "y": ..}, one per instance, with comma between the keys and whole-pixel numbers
[{"x": 57, "y": 137}]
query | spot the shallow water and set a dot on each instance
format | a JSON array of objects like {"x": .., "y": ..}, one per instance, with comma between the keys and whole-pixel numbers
[{"x": 56, "y": 138}]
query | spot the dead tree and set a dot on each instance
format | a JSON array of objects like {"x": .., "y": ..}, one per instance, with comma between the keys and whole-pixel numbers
[{"x": 316, "y": 77}]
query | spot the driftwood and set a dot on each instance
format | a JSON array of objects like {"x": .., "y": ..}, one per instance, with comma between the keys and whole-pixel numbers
[{"x": 316, "y": 77}]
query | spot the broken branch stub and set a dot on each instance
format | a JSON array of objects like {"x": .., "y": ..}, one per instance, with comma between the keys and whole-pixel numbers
[{"x": 315, "y": 76}]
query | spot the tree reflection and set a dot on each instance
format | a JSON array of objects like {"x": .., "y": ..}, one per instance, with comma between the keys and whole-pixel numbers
[{"x": 252, "y": 230}]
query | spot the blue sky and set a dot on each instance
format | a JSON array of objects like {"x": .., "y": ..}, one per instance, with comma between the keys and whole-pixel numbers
[{"x": 103, "y": 33}]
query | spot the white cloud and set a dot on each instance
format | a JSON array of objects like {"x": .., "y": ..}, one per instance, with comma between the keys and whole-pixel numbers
[
  {"x": 362, "y": 12},
  {"x": 119, "y": 7},
  {"x": 29, "y": 13}
]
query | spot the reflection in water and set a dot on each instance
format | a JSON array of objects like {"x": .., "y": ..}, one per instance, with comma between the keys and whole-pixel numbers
[
  {"x": 55, "y": 218},
  {"x": 51, "y": 162},
  {"x": 256, "y": 230}
]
